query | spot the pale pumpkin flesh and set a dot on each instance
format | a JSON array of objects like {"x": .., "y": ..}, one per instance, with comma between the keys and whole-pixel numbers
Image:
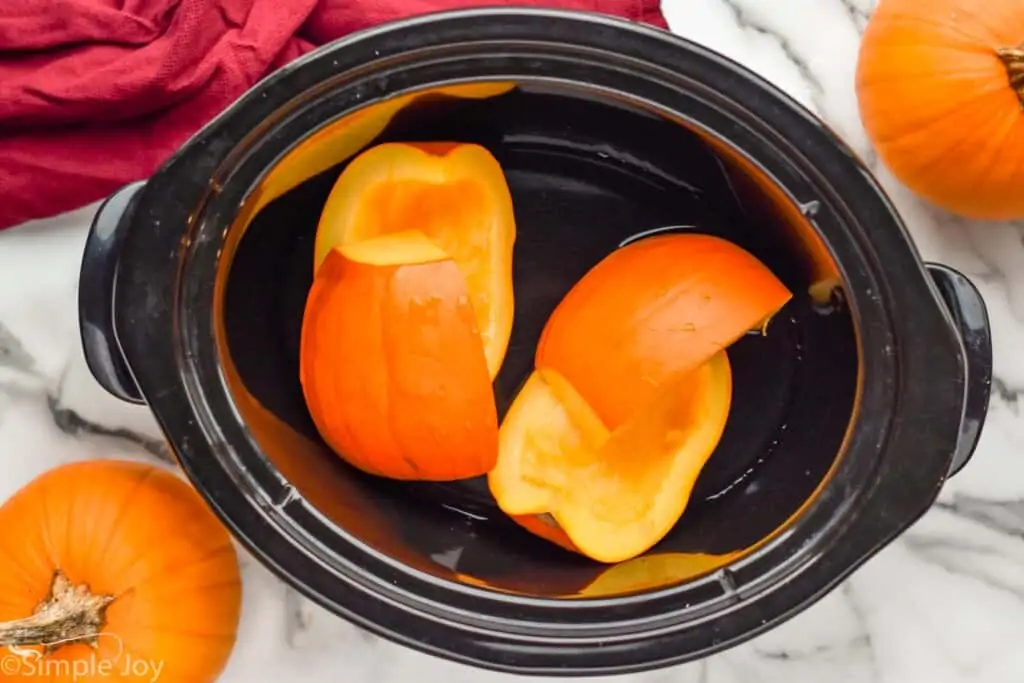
[
  {"x": 614, "y": 494},
  {"x": 456, "y": 195}
]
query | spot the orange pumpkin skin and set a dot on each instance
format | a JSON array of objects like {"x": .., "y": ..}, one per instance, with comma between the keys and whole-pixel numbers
[
  {"x": 144, "y": 541},
  {"x": 653, "y": 310},
  {"x": 940, "y": 86},
  {"x": 613, "y": 495},
  {"x": 393, "y": 370},
  {"x": 456, "y": 195}
]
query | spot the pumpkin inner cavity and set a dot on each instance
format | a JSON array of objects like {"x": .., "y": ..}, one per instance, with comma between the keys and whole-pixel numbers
[
  {"x": 1013, "y": 59},
  {"x": 68, "y": 614}
]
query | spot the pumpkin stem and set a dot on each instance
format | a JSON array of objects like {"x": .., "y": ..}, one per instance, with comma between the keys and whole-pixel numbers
[
  {"x": 69, "y": 614},
  {"x": 1013, "y": 59}
]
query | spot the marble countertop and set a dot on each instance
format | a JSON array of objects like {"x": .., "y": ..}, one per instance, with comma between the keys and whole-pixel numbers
[{"x": 944, "y": 603}]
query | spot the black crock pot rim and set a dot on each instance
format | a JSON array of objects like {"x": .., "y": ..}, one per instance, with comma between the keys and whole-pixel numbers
[{"x": 173, "y": 228}]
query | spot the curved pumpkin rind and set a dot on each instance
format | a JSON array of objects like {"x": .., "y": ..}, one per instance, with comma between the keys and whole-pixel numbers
[
  {"x": 937, "y": 104},
  {"x": 454, "y": 193},
  {"x": 393, "y": 370},
  {"x": 651, "y": 310},
  {"x": 618, "y": 500},
  {"x": 176, "y": 603}
]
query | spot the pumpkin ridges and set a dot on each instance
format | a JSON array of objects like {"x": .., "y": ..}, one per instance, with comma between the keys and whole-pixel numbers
[
  {"x": 396, "y": 340},
  {"x": 989, "y": 175},
  {"x": 974, "y": 152},
  {"x": 116, "y": 559},
  {"x": 28, "y": 561},
  {"x": 333, "y": 425},
  {"x": 914, "y": 88},
  {"x": 177, "y": 570},
  {"x": 57, "y": 512},
  {"x": 968, "y": 120},
  {"x": 117, "y": 517},
  {"x": 336, "y": 389},
  {"x": 159, "y": 515},
  {"x": 404, "y": 375},
  {"x": 165, "y": 614}
]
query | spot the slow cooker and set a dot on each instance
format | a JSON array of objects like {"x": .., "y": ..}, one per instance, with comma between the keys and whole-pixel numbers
[{"x": 868, "y": 391}]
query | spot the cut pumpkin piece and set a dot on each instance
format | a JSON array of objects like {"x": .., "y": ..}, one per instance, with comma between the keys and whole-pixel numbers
[
  {"x": 614, "y": 496},
  {"x": 391, "y": 363},
  {"x": 651, "y": 310},
  {"x": 547, "y": 423},
  {"x": 453, "y": 193}
]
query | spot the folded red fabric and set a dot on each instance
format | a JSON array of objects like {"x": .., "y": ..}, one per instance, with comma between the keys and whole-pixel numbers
[{"x": 98, "y": 93}]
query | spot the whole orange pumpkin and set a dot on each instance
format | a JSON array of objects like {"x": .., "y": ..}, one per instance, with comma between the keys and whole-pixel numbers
[
  {"x": 115, "y": 571},
  {"x": 940, "y": 85}
]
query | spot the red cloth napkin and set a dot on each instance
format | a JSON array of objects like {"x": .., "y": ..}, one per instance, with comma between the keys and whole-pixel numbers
[{"x": 98, "y": 93}]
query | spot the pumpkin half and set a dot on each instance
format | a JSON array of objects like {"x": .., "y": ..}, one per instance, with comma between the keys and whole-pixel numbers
[
  {"x": 615, "y": 498},
  {"x": 652, "y": 310},
  {"x": 392, "y": 367},
  {"x": 453, "y": 193},
  {"x": 602, "y": 446},
  {"x": 90, "y": 594},
  {"x": 940, "y": 85}
]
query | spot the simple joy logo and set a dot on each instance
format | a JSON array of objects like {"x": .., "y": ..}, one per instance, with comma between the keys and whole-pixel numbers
[{"x": 23, "y": 663}]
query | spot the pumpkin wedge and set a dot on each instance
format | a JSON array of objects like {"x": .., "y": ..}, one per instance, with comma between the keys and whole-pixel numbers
[
  {"x": 613, "y": 497},
  {"x": 602, "y": 446},
  {"x": 453, "y": 193},
  {"x": 391, "y": 362},
  {"x": 652, "y": 310}
]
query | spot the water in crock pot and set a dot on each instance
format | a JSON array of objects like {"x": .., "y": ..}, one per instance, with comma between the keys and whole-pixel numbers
[{"x": 587, "y": 175}]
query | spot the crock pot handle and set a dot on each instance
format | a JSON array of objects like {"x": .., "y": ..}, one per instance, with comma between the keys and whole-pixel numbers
[
  {"x": 970, "y": 316},
  {"x": 96, "y": 279}
]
